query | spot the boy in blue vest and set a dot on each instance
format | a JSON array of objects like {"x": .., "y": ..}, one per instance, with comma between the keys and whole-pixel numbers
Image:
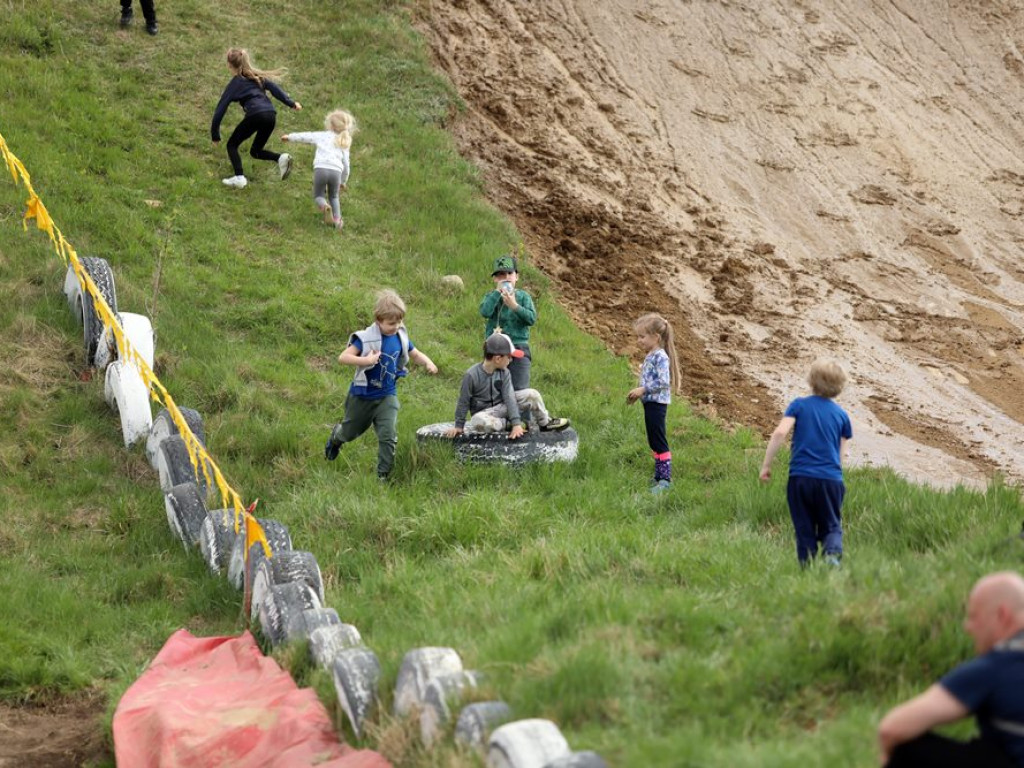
[
  {"x": 815, "y": 489},
  {"x": 381, "y": 355}
]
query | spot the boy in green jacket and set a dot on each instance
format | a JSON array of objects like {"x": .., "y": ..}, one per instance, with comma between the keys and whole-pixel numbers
[{"x": 510, "y": 310}]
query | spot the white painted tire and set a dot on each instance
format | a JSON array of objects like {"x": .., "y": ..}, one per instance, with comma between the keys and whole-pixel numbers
[
  {"x": 186, "y": 512},
  {"x": 289, "y": 565},
  {"x": 216, "y": 537},
  {"x": 73, "y": 294},
  {"x": 277, "y": 538},
  {"x": 477, "y": 720},
  {"x": 280, "y": 605},
  {"x": 526, "y": 744},
  {"x": 356, "y": 674},
  {"x": 442, "y": 694},
  {"x": 418, "y": 667},
  {"x": 300, "y": 626},
  {"x": 579, "y": 760},
  {"x": 164, "y": 427},
  {"x": 128, "y": 394},
  {"x": 139, "y": 332},
  {"x": 326, "y": 642},
  {"x": 497, "y": 448}
]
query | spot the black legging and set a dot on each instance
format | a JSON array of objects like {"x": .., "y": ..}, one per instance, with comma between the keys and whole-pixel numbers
[
  {"x": 262, "y": 124},
  {"x": 147, "y": 9}
]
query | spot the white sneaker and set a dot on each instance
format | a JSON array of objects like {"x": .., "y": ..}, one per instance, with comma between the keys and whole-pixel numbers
[
  {"x": 238, "y": 182},
  {"x": 284, "y": 164}
]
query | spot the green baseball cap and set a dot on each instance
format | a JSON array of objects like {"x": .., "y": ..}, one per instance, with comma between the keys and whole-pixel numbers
[{"x": 505, "y": 264}]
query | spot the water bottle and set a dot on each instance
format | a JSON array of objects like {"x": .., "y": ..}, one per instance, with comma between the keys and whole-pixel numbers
[{"x": 506, "y": 286}]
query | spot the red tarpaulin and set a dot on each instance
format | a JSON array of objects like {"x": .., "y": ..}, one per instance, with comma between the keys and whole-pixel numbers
[{"x": 218, "y": 701}]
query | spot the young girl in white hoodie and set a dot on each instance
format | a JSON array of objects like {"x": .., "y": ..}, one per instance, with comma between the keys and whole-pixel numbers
[{"x": 331, "y": 162}]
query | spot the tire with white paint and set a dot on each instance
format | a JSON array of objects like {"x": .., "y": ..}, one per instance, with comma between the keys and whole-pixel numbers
[
  {"x": 92, "y": 324},
  {"x": 579, "y": 760},
  {"x": 279, "y": 607},
  {"x": 139, "y": 332},
  {"x": 534, "y": 446},
  {"x": 418, "y": 667},
  {"x": 73, "y": 294},
  {"x": 164, "y": 427},
  {"x": 477, "y": 720},
  {"x": 217, "y": 537},
  {"x": 278, "y": 540},
  {"x": 128, "y": 395},
  {"x": 300, "y": 627},
  {"x": 186, "y": 511},
  {"x": 175, "y": 466},
  {"x": 326, "y": 642},
  {"x": 356, "y": 674},
  {"x": 526, "y": 744},
  {"x": 441, "y": 694},
  {"x": 285, "y": 566}
]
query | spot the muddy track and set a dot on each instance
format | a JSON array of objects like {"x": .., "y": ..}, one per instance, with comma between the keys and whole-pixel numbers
[{"x": 782, "y": 181}]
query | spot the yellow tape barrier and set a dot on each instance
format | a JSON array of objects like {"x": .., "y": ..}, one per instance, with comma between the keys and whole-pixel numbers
[{"x": 34, "y": 209}]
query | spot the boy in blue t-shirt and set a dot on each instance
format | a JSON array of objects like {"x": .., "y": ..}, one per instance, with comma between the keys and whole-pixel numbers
[
  {"x": 815, "y": 489},
  {"x": 381, "y": 354}
]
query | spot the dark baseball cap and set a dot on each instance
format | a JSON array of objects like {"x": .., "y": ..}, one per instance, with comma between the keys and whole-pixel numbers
[
  {"x": 505, "y": 264},
  {"x": 500, "y": 344}
]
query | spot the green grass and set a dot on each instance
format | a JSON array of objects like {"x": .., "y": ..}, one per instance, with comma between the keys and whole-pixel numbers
[{"x": 673, "y": 631}]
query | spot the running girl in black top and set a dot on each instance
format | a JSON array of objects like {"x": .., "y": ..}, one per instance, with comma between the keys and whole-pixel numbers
[{"x": 249, "y": 88}]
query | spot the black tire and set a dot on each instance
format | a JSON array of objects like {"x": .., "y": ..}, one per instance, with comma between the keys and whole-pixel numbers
[
  {"x": 277, "y": 538},
  {"x": 496, "y": 447},
  {"x": 92, "y": 324},
  {"x": 282, "y": 603},
  {"x": 356, "y": 673},
  {"x": 418, "y": 667},
  {"x": 476, "y": 721},
  {"x": 579, "y": 760},
  {"x": 175, "y": 466},
  {"x": 186, "y": 512},
  {"x": 217, "y": 537},
  {"x": 441, "y": 693},
  {"x": 326, "y": 642},
  {"x": 164, "y": 427},
  {"x": 283, "y": 567}
]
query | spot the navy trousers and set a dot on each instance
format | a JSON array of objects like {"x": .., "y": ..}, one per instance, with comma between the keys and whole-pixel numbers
[
  {"x": 815, "y": 505},
  {"x": 932, "y": 751}
]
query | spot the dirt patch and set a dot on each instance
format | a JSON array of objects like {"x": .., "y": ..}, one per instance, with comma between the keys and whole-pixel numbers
[
  {"x": 781, "y": 184},
  {"x": 63, "y": 733}
]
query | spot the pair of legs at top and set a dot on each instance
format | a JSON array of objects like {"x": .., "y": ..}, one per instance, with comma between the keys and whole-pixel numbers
[
  {"x": 148, "y": 11},
  {"x": 262, "y": 126}
]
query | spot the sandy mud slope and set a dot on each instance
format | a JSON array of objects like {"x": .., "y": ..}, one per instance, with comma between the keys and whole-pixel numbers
[{"x": 784, "y": 179}]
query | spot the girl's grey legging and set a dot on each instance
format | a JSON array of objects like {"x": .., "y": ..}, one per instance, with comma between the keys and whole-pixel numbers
[{"x": 329, "y": 181}]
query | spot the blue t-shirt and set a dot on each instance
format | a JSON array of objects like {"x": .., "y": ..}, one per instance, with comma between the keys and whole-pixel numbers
[
  {"x": 382, "y": 379},
  {"x": 820, "y": 424},
  {"x": 992, "y": 688}
]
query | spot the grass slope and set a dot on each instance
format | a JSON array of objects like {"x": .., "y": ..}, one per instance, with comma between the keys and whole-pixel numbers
[{"x": 671, "y": 632}]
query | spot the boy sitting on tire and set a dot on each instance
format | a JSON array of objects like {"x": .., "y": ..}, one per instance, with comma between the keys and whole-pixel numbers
[{"x": 488, "y": 397}]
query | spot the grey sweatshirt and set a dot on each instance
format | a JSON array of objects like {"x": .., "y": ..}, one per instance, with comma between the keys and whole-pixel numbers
[{"x": 482, "y": 390}]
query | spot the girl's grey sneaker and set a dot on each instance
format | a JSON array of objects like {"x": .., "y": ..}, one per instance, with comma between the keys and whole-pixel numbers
[
  {"x": 661, "y": 486},
  {"x": 284, "y": 164},
  {"x": 237, "y": 182}
]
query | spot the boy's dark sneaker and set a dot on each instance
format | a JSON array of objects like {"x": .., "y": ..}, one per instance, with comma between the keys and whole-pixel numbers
[
  {"x": 152, "y": 27},
  {"x": 383, "y": 478},
  {"x": 334, "y": 443},
  {"x": 126, "y": 16},
  {"x": 555, "y": 425}
]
